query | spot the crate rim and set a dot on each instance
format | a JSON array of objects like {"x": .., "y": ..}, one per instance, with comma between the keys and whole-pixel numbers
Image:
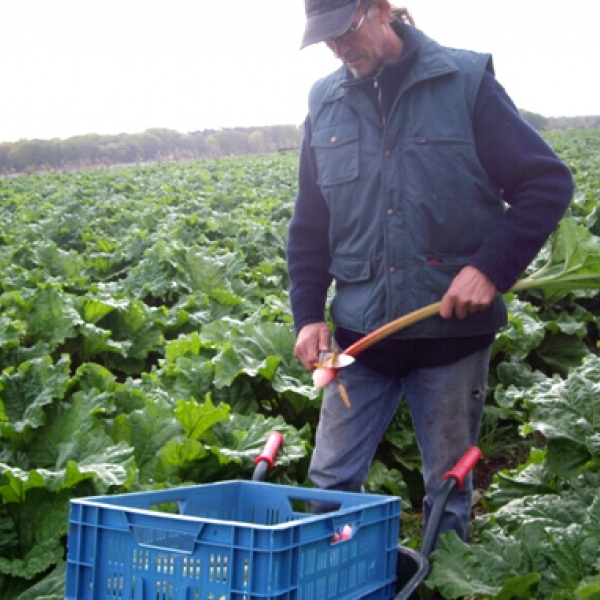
[{"x": 370, "y": 500}]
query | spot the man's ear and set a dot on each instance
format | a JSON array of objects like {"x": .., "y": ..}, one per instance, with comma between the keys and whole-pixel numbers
[{"x": 385, "y": 9}]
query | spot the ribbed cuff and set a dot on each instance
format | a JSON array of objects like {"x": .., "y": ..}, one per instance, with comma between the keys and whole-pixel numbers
[
  {"x": 501, "y": 269},
  {"x": 306, "y": 313}
]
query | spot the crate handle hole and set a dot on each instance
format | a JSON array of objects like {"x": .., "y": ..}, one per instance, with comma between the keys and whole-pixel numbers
[{"x": 304, "y": 506}]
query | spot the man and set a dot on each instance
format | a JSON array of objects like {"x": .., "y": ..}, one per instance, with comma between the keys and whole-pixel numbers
[{"x": 418, "y": 180}]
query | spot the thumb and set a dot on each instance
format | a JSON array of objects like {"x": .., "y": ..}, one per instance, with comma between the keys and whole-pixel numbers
[{"x": 324, "y": 337}]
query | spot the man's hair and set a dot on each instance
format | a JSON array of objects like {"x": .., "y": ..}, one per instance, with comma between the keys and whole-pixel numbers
[{"x": 400, "y": 13}]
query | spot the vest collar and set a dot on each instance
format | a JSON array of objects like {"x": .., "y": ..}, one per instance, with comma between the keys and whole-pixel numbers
[{"x": 431, "y": 61}]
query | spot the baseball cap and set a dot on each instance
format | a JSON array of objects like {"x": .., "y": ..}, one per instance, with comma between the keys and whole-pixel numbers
[{"x": 326, "y": 19}]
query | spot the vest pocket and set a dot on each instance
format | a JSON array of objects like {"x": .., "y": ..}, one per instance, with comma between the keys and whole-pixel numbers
[
  {"x": 336, "y": 150},
  {"x": 348, "y": 269},
  {"x": 437, "y": 273},
  {"x": 354, "y": 291}
]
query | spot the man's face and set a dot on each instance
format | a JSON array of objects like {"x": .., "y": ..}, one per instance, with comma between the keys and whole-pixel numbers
[{"x": 361, "y": 48}]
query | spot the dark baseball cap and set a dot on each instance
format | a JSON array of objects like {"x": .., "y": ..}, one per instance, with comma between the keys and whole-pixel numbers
[{"x": 326, "y": 19}]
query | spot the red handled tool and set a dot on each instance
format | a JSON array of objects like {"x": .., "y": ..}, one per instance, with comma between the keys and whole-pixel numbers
[
  {"x": 413, "y": 567},
  {"x": 266, "y": 459}
]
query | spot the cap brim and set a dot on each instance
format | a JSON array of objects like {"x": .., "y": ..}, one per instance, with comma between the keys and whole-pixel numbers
[{"x": 321, "y": 27}]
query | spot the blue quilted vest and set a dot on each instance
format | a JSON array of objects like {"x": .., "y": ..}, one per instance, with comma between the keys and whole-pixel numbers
[{"x": 409, "y": 201}]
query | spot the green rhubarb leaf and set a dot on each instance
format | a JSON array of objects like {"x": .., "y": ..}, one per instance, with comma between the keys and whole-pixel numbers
[
  {"x": 589, "y": 589},
  {"x": 182, "y": 346},
  {"x": 92, "y": 456},
  {"x": 68, "y": 425},
  {"x": 382, "y": 478},
  {"x": 210, "y": 273},
  {"x": 570, "y": 520},
  {"x": 523, "y": 332},
  {"x": 264, "y": 349},
  {"x": 532, "y": 478},
  {"x": 574, "y": 323},
  {"x": 179, "y": 452},
  {"x": 187, "y": 377},
  {"x": 11, "y": 332},
  {"x": 51, "y": 587},
  {"x": 560, "y": 353},
  {"x": 95, "y": 308},
  {"x": 500, "y": 567},
  {"x": 243, "y": 437},
  {"x": 135, "y": 326},
  {"x": 573, "y": 263},
  {"x": 197, "y": 418},
  {"x": 12, "y": 587},
  {"x": 51, "y": 315},
  {"x": 16, "y": 482},
  {"x": 108, "y": 465},
  {"x": 567, "y": 413},
  {"x": 36, "y": 561},
  {"x": 26, "y": 391},
  {"x": 41, "y": 524},
  {"x": 240, "y": 396},
  {"x": 573, "y": 554},
  {"x": 547, "y": 510},
  {"x": 8, "y": 536},
  {"x": 94, "y": 377},
  {"x": 98, "y": 341},
  {"x": 59, "y": 264},
  {"x": 147, "y": 430}
]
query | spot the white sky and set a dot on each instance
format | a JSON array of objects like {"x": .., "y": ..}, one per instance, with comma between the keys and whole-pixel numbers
[{"x": 71, "y": 67}]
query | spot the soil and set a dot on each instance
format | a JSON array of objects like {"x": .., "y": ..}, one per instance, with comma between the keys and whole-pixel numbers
[
  {"x": 486, "y": 469},
  {"x": 501, "y": 459}
]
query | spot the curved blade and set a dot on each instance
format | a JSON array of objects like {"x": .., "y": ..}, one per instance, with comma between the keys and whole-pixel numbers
[{"x": 335, "y": 360}]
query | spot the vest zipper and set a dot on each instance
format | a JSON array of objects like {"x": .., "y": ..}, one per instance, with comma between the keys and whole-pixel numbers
[{"x": 379, "y": 100}]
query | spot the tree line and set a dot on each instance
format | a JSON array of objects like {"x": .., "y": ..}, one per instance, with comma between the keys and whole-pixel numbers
[
  {"x": 154, "y": 145},
  {"x": 150, "y": 146},
  {"x": 542, "y": 123}
]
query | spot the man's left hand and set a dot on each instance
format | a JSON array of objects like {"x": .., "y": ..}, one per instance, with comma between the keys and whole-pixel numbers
[{"x": 469, "y": 292}]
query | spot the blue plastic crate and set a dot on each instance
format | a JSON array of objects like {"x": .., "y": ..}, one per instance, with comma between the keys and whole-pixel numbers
[{"x": 238, "y": 540}]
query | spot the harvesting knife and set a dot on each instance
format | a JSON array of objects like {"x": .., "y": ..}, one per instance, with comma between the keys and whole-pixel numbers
[{"x": 335, "y": 360}]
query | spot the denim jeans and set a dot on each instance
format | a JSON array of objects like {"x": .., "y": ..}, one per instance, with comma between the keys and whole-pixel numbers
[{"x": 446, "y": 404}]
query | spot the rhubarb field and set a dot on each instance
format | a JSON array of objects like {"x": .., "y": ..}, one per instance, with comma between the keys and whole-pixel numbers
[{"x": 146, "y": 342}]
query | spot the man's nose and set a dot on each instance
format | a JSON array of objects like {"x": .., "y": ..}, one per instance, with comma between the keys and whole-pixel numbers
[{"x": 339, "y": 47}]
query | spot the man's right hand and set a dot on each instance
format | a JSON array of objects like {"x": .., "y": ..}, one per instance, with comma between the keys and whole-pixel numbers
[{"x": 311, "y": 340}]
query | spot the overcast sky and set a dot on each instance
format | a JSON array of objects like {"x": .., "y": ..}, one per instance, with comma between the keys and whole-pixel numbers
[{"x": 73, "y": 67}]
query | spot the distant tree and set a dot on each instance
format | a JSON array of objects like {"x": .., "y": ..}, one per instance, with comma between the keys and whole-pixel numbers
[
  {"x": 51, "y": 154},
  {"x": 186, "y": 144},
  {"x": 122, "y": 152},
  {"x": 199, "y": 143},
  {"x": 5, "y": 149},
  {"x": 282, "y": 136},
  {"x": 82, "y": 148},
  {"x": 212, "y": 145},
  {"x": 149, "y": 144},
  {"x": 26, "y": 154},
  {"x": 169, "y": 137},
  {"x": 538, "y": 122},
  {"x": 256, "y": 141},
  {"x": 232, "y": 141}
]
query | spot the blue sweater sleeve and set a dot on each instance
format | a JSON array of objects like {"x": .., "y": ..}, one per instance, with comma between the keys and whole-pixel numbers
[
  {"x": 308, "y": 254},
  {"x": 536, "y": 185}
]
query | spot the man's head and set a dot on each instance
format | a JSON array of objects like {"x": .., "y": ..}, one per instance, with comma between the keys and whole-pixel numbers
[
  {"x": 327, "y": 19},
  {"x": 357, "y": 31}
]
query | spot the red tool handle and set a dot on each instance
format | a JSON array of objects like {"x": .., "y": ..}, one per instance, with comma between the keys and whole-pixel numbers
[
  {"x": 271, "y": 449},
  {"x": 464, "y": 466}
]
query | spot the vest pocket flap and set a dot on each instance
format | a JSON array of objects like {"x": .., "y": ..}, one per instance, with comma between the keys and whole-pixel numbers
[
  {"x": 350, "y": 270},
  {"x": 335, "y": 136},
  {"x": 336, "y": 152}
]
